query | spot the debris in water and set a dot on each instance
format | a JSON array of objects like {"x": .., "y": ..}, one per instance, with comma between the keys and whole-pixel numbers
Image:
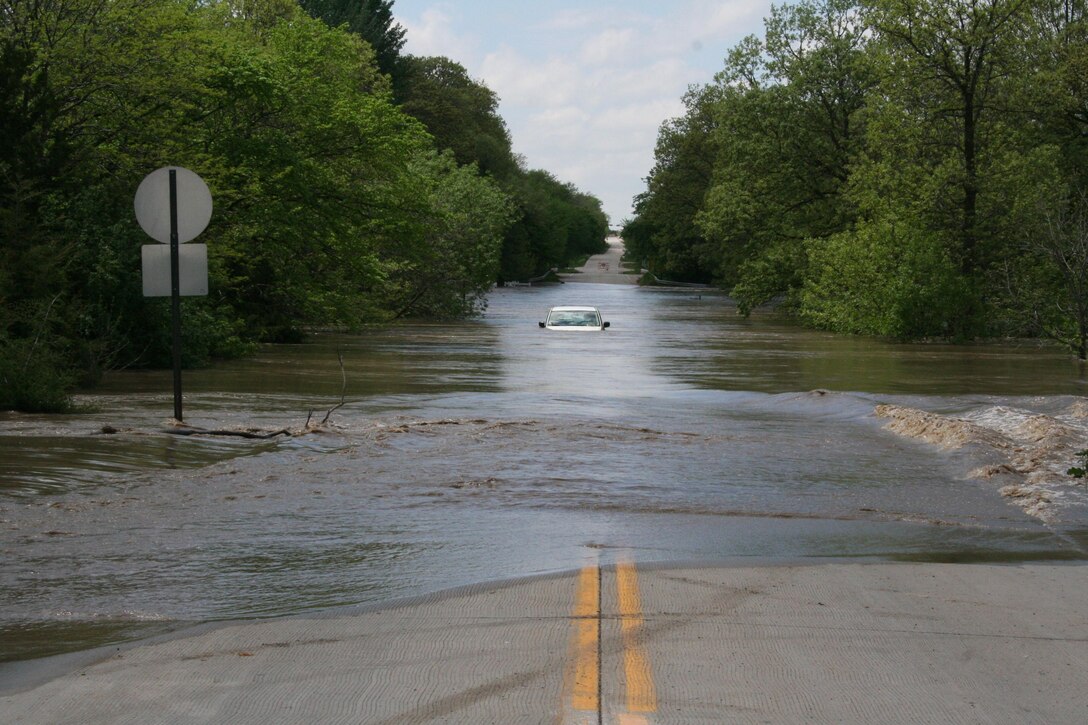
[
  {"x": 991, "y": 471},
  {"x": 489, "y": 482},
  {"x": 1034, "y": 501},
  {"x": 1079, "y": 409},
  {"x": 940, "y": 430},
  {"x": 1036, "y": 448},
  {"x": 1023, "y": 492}
]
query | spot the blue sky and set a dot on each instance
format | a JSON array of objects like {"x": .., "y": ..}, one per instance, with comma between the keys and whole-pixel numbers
[{"x": 585, "y": 85}]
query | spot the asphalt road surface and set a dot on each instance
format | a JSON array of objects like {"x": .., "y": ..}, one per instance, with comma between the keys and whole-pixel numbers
[{"x": 623, "y": 645}]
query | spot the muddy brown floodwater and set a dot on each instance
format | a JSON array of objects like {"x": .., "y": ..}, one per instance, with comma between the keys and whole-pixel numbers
[{"x": 491, "y": 449}]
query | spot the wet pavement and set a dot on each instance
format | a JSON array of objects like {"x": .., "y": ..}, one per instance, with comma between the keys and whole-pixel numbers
[{"x": 489, "y": 450}]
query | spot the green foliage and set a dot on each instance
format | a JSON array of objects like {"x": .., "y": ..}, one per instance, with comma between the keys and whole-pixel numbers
[
  {"x": 313, "y": 180},
  {"x": 774, "y": 275},
  {"x": 32, "y": 379},
  {"x": 331, "y": 205},
  {"x": 1080, "y": 471},
  {"x": 663, "y": 237},
  {"x": 1058, "y": 92},
  {"x": 894, "y": 167},
  {"x": 551, "y": 221},
  {"x": 33, "y": 374},
  {"x": 1050, "y": 284},
  {"x": 208, "y": 332},
  {"x": 789, "y": 126},
  {"x": 554, "y": 223},
  {"x": 460, "y": 113},
  {"x": 947, "y": 65},
  {"x": 372, "y": 20},
  {"x": 761, "y": 159},
  {"x": 448, "y": 274},
  {"x": 884, "y": 278}
]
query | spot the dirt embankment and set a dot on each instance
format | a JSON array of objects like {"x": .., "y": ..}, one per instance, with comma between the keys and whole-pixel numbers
[{"x": 1032, "y": 453}]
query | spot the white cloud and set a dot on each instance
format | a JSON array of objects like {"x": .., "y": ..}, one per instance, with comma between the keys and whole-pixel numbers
[
  {"x": 709, "y": 23},
  {"x": 585, "y": 88},
  {"x": 666, "y": 78},
  {"x": 563, "y": 116},
  {"x": 435, "y": 35},
  {"x": 582, "y": 18},
  {"x": 519, "y": 80},
  {"x": 639, "y": 120},
  {"x": 611, "y": 45}
]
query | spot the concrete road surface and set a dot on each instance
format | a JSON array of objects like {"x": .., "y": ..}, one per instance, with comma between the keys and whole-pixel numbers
[
  {"x": 623, "y": 645},
  {"x": 604, "y": 268}
]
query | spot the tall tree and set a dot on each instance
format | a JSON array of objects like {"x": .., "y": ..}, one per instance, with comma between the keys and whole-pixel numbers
[
  {"x": 788, "y": 129},
  {"x": 948, "y": 60},
  {"x": 1063, "y": 242},
  {"x": 332, "y": 206},
  {"x": 372, "y": 20},
  {"x": 1054, "y": 90},
  {"x": 462, "y": 114},
  {"x": 663, "y": 235},
  {"x": 461, "y": 229},
  {"x": 554, "y": 224}
]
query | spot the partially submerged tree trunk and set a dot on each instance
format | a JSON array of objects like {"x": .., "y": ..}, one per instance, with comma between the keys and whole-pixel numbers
[{"x": 1064, "y": 240}]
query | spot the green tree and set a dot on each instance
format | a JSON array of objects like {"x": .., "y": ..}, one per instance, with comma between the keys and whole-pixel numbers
[
  {"x": 1053, "y": 91},
  {"x": 331, "y": 206},
  {"x": 663, "y": 235},
  {"x": 313, "y": 173},
  {"x": 461, "y": 230},
  {"x": 538, "y": 228},
  {"x": 1063, "y": 242},
  {"x": 1044, "y": 283},
  {"x": 1040, "y": 178},
  {"x": 946, "y": 64},
  {"x": 372, "y": 20},
  {"x": 789, "y": 127},
  {"x": 554, "y": 224},
  {"x": 884, "y": 278},
  {"x": 461, "y": 114},
  {"x": 78, "y": 79}
]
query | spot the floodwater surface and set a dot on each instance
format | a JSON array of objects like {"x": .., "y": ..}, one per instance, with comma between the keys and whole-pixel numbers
[{"x": 491, "y": 449}]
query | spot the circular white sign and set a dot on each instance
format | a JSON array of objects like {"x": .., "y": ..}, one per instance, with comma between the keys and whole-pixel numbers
[{"x": 153, "y": 204}]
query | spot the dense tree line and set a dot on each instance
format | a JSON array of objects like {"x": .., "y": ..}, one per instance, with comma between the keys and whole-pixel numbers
[
  {"x": 554, "y": 222},
  {"x": 352, "y": 184},
  {"x": 906, "y": 168}
]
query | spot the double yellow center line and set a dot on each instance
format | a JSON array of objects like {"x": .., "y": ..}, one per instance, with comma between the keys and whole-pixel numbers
[
  {"x": 585, "y": 684},
  {"x": 641, "y": 694},
  {"x": 587, "y": 643}
]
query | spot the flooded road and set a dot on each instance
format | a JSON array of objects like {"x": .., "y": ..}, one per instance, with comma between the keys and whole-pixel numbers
[{"x": 491, "y": 449}]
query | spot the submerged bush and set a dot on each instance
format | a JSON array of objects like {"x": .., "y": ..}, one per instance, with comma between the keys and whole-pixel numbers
[
  {"x": 884, "y": 278},
  {"x": 31, "y": 380}
]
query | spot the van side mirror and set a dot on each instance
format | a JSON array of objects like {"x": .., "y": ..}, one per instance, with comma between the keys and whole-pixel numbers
[
  {"x": 607, "y": 324},
  {"x": 541, "y": 324}
]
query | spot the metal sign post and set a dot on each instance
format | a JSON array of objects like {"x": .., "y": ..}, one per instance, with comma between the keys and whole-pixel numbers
[
  {"x": 175, "y": 293},
  {"x": 173, "y": 205}
]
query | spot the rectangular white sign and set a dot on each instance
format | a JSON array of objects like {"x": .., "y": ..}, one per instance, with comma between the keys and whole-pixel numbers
[{"x": 192, "y": 269}]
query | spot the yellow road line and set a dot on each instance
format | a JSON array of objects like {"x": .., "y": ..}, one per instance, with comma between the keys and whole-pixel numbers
[
  {"x": 641, "y": 693},
  {"x": 626, "y": 718},
  {"x": 586, "y": 625}
]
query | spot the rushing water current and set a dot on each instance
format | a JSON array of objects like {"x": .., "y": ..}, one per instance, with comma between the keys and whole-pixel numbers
[{"x": 491, "y": 449}]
